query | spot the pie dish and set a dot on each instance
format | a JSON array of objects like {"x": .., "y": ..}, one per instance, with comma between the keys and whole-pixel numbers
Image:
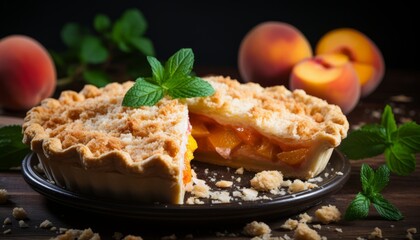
[
  {"x": 88, "y": 142},
  {"x": 246, "y": 125}
]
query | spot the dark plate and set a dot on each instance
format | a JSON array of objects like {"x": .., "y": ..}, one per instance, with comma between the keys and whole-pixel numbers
[{"x": 274, "y": 205}]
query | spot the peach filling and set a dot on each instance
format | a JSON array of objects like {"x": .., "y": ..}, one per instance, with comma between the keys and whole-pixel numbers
[
  {"x": 232, "y": 141},
  {"x": 191, "y": 147}
]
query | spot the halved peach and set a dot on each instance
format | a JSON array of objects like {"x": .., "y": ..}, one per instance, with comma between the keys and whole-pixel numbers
[
  {"x": 362, "y": 52},
  {"x": 330, "y": 77}
]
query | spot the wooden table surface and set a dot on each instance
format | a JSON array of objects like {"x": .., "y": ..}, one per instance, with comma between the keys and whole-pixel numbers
[{"x": 399, "y": 89}]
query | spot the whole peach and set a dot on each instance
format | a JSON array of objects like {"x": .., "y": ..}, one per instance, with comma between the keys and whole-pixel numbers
[
  {"x": 27, "y": 72},
  {"x": 330, "y": 77},
  {"x": 269, "y": 51},
  {"x": 363, "y": 53}
]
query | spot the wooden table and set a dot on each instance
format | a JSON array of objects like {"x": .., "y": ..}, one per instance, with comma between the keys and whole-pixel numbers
[{"x": 399, "y": 89}]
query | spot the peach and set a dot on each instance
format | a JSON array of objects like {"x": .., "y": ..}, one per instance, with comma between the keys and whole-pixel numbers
[
  {"x": 27, "y": 72},
  {"x": 269, "y": 51},
  {"x": 330, "y": 77},
  {"x": 365, "y": 56}
]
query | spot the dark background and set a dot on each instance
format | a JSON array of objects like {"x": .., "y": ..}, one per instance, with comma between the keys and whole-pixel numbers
[{"x": 214, "y": 29}]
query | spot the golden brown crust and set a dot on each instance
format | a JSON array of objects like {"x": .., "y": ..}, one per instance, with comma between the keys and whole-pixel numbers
[
  {"x": 274, "y": 111},
  {"x": 94, "y": 125}
]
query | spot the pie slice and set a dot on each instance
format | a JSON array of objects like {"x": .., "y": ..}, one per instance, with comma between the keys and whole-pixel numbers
[
  {"x": 246, "y": 125},
  {"x": 88, "y": 142}
]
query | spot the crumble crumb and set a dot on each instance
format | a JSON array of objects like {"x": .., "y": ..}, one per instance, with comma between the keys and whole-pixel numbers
[
  {"x": 339, "y": 173},
  {"x": 221, "y": 196},
  {"x": 239, "y": 171},
  {"x": 201, "y": 190},
  {"x": 267, "y": 236},
  {"x": 298, "y": 186},
  {"x": 7, "y": 231},
  {"x": 338, "y": 230},
  {"x": 304, "y": 232},
  {"x": 3, "y": 196},
  {"x": 360, "y": 238},
  {"x": 249, "y": 194},
  {"x": 317, "y": 226},
  {"x": 255, "y": 228},
  {"x": 52, "y": 229},
  {"x": 286, "y": 183},
  {"x": 224, "y": 184},
  {"x": 239, "y": 179},
  {"x": 267, "y": 180},
  {"x": 410, "y": 233},
  {"x": 62, "y": 230},
  {"x": 23, "y": 224},
  {"x": 324, "y": 238},
  {"x": 46, "y": 224},
  {"x": 193, "y": 200},
  {"x": 305, "y": 218},
  {"x": 132, "y": 237},
  {"x": 7, "y": 221},
  {"x": 377, "y": 232},
  {"x": 290, "y": 224},
  {"x": 328, "y": 214},
  {"x": 19, "y": 213},
  {"x": 76, "y": 234}
]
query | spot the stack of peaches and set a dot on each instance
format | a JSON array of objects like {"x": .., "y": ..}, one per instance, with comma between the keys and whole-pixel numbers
[{"x": 346, "y": 66}]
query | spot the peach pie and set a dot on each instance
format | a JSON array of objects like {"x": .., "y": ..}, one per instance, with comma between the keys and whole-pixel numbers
[{"x": 88, "y": 142}]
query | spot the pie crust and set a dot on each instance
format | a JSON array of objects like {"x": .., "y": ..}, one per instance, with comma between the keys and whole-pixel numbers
[
  {"x": 88, "y": 142},
  {"x": 291, "y": 120}
]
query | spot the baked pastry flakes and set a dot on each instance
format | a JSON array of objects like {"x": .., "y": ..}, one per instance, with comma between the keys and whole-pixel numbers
[
  {"x": 88, "y": 142},
  {"x": 246, "y": 125}
]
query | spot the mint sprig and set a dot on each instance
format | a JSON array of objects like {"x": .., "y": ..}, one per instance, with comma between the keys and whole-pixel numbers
[
  {"x": 373, "y": 182},
  {"x": 398, "y": 143},
  {"x": 12, "y": 150},
  {"x": 174, "y": 79}
]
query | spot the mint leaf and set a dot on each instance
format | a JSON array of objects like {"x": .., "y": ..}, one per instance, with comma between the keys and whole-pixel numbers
[
  {"x": 366, "y": 142},
  {"x": 381, "y": 179},
  {"x": 358, "y": 208},
  {"x": 180, "y": 64},
  {"x": 101, "y": 23},
  {"x": 408, "y": 135},
  {"x": 367, "y": 177},
  {"x": 386, "y": 209},
  {"x": 191, "y": 87},
  {"x": 174, "y": 80},
  {"x": 72, "y": 34},
  {"x": 92, "y": 50},
  {"x": 399, "y": 159},
  {"x": 133, "y": 23},
  {"x": 144, "y": 45},
  {"x": 12, "y": 150},
  {"x": 157, "y": 69},
  {"x": 143, "y": 93},
  {"x": 388, "y": 121},
  {"x": 96, "y": 77}
]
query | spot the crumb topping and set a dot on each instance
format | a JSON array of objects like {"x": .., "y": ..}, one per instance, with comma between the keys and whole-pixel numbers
[
  {"x": 255, "y": 228},
  {"x": 267, "y": 180},
  {"x": 304, "y": 232},
  {"x": 328, "y": 214}
]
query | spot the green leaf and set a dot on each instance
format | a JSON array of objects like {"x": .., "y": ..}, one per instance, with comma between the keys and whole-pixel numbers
[
  {"x": 96, "y": 77},
  {"x": 72, "y": 34},
  {"x": 12, "y": 150},
  {"x": 388, "y": 121},
  {"x": 144, "y": 45},
  {"x": 180, "y": 64},
  {"x": 358, "y": 208},
  {"x": 381, "y": 179},
  {"x": 143, "y": 93},
  {"x": 386, "y": 209},
  {"x": 408, "y": 134},
  {"x": 367, "y": 176},
  {"x": 92, "y": 51},
  {"x": 191, "y": 87},
  {"x": 399, "y": 159},
  {"x": 101, "y": 23},
  {"x": 157, "y": 69},
  {"x": 134, "y": 23},
  {"x": 366, "y": 142}
]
